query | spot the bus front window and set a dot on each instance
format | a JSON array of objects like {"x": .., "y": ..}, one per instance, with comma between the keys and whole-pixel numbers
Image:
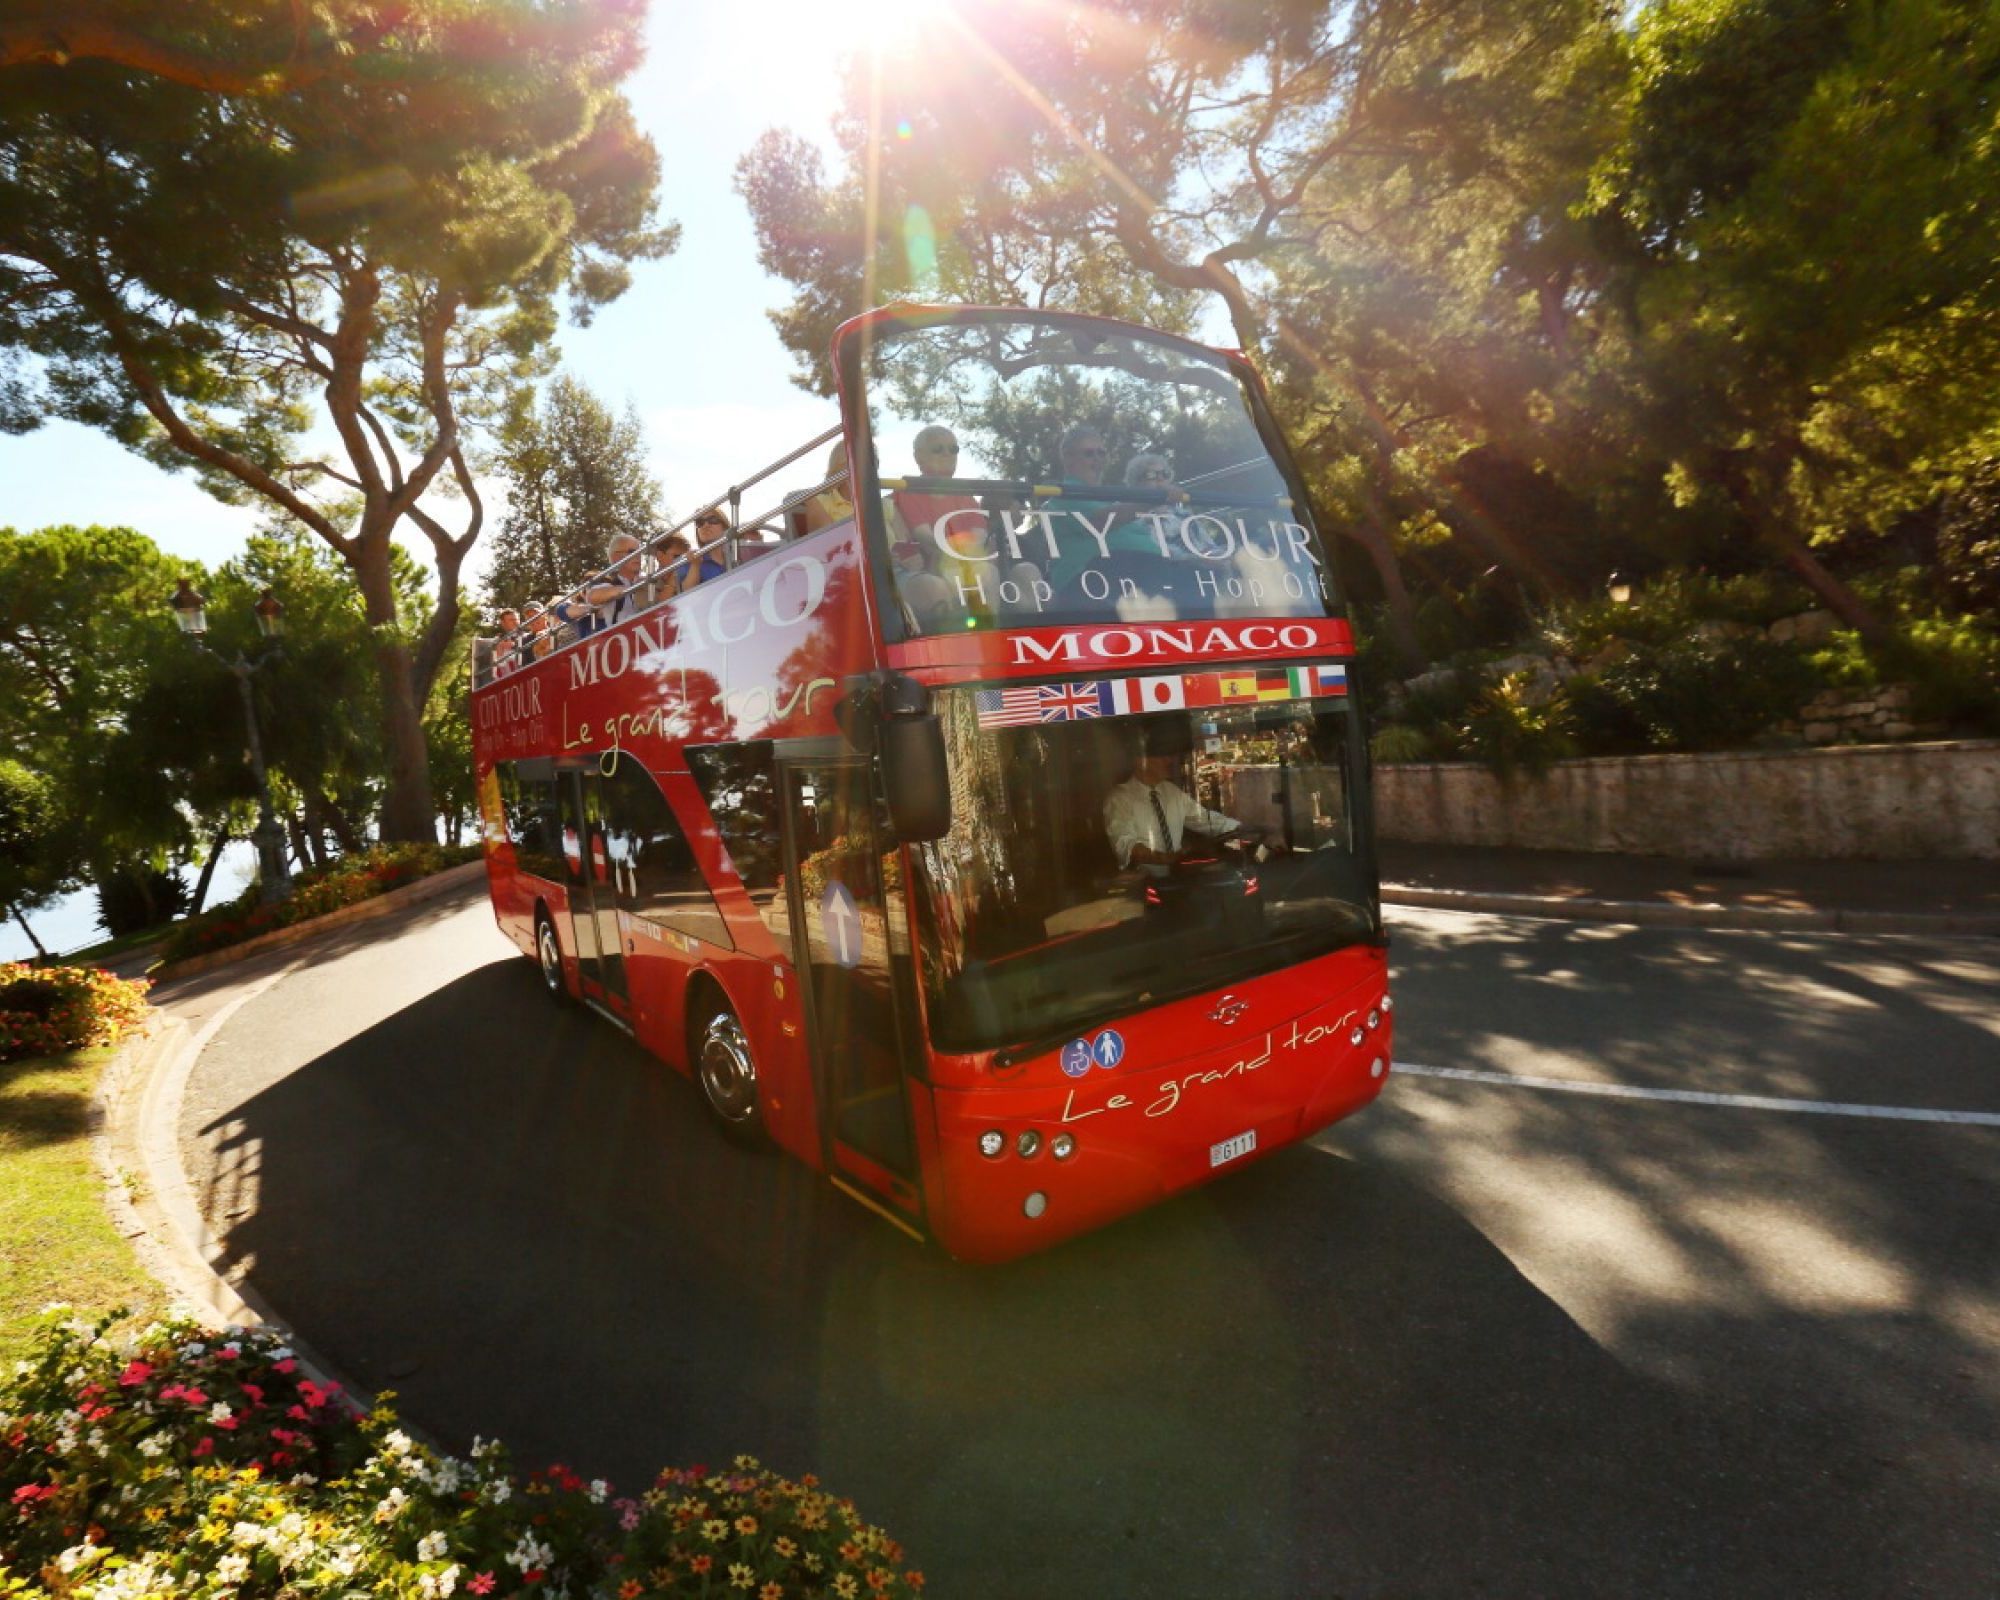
[
  {"x": 1099, "y": 865},
  {"x": 1041, "y": 470}
]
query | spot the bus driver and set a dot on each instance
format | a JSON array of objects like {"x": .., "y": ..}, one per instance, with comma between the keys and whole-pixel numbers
[{"x": 1148, "y": 816}]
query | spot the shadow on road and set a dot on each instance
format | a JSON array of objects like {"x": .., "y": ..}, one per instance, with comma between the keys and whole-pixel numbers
[{"x": 1314, "y": 1379}]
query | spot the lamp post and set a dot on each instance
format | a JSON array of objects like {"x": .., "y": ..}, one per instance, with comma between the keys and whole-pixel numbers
[{"x": 191, "y": 612}]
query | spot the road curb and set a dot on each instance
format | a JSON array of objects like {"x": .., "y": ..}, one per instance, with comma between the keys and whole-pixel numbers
[
  {"x": 361, "y": 911},
  {"x": 134, "y": 1122},
  {"x": 1654, "y": 913}
]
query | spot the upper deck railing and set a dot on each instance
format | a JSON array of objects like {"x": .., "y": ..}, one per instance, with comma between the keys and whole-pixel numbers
[{"x": 554, "y": 626}]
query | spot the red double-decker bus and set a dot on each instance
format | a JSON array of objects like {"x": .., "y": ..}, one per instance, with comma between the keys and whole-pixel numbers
[{"x": 987, "y": 825}]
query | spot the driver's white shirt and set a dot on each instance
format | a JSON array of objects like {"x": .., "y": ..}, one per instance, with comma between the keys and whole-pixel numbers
[{"x": 1130, "y": 820}]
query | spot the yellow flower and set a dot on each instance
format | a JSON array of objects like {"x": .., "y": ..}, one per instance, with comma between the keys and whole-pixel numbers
[
  {"x": 225, "y": 1505},
  {"x": 713, "y": 1529},
  {"x": 740, "y": 1576},
  {"x": 746, "y": 1524},
  {"x": 772, "y": 1591},
  {"x": 845, "y": 1586},
  {"x": 156, "y": 1514},
  {"x": 785, "y": 1547}
]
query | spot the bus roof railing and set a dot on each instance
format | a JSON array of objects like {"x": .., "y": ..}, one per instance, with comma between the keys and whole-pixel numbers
[{"x": 726, "y": 547}]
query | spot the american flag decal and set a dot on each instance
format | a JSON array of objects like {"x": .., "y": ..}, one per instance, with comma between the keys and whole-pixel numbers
[{"x": 1043, "y": 702}]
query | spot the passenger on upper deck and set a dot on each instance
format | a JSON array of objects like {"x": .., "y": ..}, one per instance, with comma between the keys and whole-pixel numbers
[
  {"x": 1128, "y": 543},
  {"x": 681, "y": 572},
  {"x": 914, "y": 512},
  {"x": 507, "y": 643},
  {"x": 535, "y": 641},
  {"x": 835, "y": 504},
  {"x": 615, "y": 593}
]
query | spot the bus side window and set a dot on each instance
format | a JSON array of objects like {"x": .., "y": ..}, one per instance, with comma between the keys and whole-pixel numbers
[
  {"x": 654, "y": 869},
  {"x": 529, "y": 798},
  {"x": 740, "y": 784}
]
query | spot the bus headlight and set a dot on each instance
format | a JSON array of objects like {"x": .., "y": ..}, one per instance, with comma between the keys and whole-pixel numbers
[
  {"x": 992, "y": 1143},
  {"x": 1063, "y": 1146},
  {"x": 1028, "y": 1144},
  {"x": 1356, "y": 1036}
]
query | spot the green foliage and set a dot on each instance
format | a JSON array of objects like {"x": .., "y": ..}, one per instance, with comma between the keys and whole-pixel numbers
[
  {"x": 1695, "y": 693},
  {"x": 135, "y": 898},
  {"x": 211, "y": 1464},
  {"x": 1951, "y": 663},
  {"x": 1400, "y": 742},
  {"x": 348, "y": 881},
  {"x": 211, "y": 271},
  {"x": 46, "y": 1010},
  {"x": 576, "y": 475},
  {"x": 37, "y": 851},
  {"x": 1509, "y": 730}
]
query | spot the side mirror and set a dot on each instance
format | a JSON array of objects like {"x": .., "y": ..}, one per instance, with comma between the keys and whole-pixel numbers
[{"x": 914, "y": 777}]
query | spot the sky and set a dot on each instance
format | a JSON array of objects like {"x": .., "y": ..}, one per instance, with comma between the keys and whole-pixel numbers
[{"x": 688, "y": 345}]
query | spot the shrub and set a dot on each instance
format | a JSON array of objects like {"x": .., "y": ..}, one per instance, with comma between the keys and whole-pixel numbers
[
  {"x": 207, "y": 1464},
  {"x": 1693, "y": 693},
  {"x": 133, "y": 899},
  {"x": 1510, "y": 733},
  {"x": 349, "y": 880},
  {"x": 1400, "y": 742},
  {"x": 47, "y": 1010}
]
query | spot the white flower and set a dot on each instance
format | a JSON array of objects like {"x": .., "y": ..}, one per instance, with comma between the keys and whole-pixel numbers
[
  {"x": 220, "y": 1412},
  {"x": 80, "y": 1555},
  {"x": 282, "y": 1353},
  {"x": 498, "y": 1490},
  {"x": 232, "y": 1569},
  {"x": 153, "y": 1444},
  {"x": 529, "y": 1554},
  {"x": 195, "y": 1349},
  {"x": 598, "y": 1490},
  {"x": 397, "y": 1443},
  {"x": 246, "y": 1535},
  {"x": 391, "y": 1506},
  {"x": 291, "y": 1525},
  {"x": 431, "y": 1546},
  {"x": 436, "y": 1585}
]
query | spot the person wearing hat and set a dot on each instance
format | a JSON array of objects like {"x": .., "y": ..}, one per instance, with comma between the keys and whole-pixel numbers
[{"x": 1148, "y": 817}]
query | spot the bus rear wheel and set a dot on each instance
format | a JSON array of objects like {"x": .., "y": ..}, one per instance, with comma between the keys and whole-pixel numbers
[
  {"x": 727, "y": 1073},
  {"x": 548, "y": 957}
]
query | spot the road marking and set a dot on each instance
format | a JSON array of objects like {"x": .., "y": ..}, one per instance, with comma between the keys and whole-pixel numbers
[{"x": 1698, "y": 1097}]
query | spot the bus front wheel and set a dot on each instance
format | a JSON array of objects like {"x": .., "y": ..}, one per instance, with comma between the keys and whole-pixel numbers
[
  {"x": 548, "y": 957},
  {"x": 727, "y": 1073}
]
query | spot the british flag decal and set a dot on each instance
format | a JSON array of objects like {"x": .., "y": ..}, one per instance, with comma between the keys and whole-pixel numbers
[{"x": 1043, "y": 702}]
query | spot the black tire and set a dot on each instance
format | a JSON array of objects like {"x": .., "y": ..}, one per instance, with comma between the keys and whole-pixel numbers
[
  {"x": 727, "y": 1075},
  {"x": 548, "y": 957}
]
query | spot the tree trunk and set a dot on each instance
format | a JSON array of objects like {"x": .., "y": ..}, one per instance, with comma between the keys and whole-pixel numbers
[
  {"x": 302, "y": 850},
  {"x": 208, "y": 870},
  {"x": 407, "y": 812},
  {"x": 30, "y": 932},
  {"x": 323, "y": 814},
  {"x": 1402, "y": 611},
  {"x": 1775, "y": 530}
]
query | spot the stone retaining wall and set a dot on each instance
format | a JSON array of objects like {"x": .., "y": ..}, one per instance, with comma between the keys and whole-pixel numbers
[{"x": 1883, "y": 802}]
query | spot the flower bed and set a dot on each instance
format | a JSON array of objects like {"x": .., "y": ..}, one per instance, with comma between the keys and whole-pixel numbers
[
  {"x": 47, "y": 1010},
  {"x": 198, "y": 1464},
  {"x": 352, "y": 879}
]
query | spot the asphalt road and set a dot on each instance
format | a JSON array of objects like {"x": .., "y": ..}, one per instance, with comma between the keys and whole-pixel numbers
[{"x": 1481, "y": 1340}]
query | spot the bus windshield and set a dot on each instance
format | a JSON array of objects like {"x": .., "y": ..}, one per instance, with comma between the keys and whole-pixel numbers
[
  {"x": 1098, "y": 864},
  {"x": 1042, "y": 471}
]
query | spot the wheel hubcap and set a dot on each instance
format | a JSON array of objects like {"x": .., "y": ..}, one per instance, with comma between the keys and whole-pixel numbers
[
  {"x": 728, "y": 1077},
  {"x": 551, "y": 957}
]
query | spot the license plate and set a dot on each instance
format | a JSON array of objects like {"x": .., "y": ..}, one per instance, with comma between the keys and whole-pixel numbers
[{"x": 1230, "y": 1149}]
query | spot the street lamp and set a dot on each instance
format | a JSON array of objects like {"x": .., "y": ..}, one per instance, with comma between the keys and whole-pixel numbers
[
  {"x": 1619, "y": 589},
  {"x": 190, "y": 607}
]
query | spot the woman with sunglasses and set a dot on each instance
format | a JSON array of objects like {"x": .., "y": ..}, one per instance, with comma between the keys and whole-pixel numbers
[{"x": 682, "y": 572}]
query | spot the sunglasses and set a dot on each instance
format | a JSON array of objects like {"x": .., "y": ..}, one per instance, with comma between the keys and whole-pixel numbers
[{"x": 710, "y": 522}]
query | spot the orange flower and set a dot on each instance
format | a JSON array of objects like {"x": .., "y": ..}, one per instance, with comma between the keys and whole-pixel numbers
[{"x": 631, "y": 1589}]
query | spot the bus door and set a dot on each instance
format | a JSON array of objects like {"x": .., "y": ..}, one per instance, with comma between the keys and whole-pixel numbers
[
  {"x": 593, "y": 898},
  {"x": 835, "y": 864}
]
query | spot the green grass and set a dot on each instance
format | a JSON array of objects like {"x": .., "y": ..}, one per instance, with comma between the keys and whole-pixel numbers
[
  {"x": 93, "y": 955},
  {"x": 56, "y": 1239}
]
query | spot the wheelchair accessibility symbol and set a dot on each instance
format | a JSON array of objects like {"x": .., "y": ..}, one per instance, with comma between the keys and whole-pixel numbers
[{"x": 1076, "y": 1057}]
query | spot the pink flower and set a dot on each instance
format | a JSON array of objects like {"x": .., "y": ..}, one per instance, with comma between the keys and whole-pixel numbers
[
  {"x": 205, "y": 1447},
  {"x": 287, "y": 1365},
  {"x": 194, "y": 1397},
  {"x": 138, "y": 1372},
  {"x": 256, "y": 1394},
  {"x": 483, "y": 1584},
  {"x": 298, "y": 1413}
]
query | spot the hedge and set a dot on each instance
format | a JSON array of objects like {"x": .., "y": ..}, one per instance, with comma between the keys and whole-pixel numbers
[
  {"x": 361, "y": 876},
  {"x": 193, "y": 1464},
  {"x": 47, "y": 1010}
]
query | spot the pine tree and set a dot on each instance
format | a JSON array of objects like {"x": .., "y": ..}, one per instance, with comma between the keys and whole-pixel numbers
[{"x": 576, "y": 476}]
